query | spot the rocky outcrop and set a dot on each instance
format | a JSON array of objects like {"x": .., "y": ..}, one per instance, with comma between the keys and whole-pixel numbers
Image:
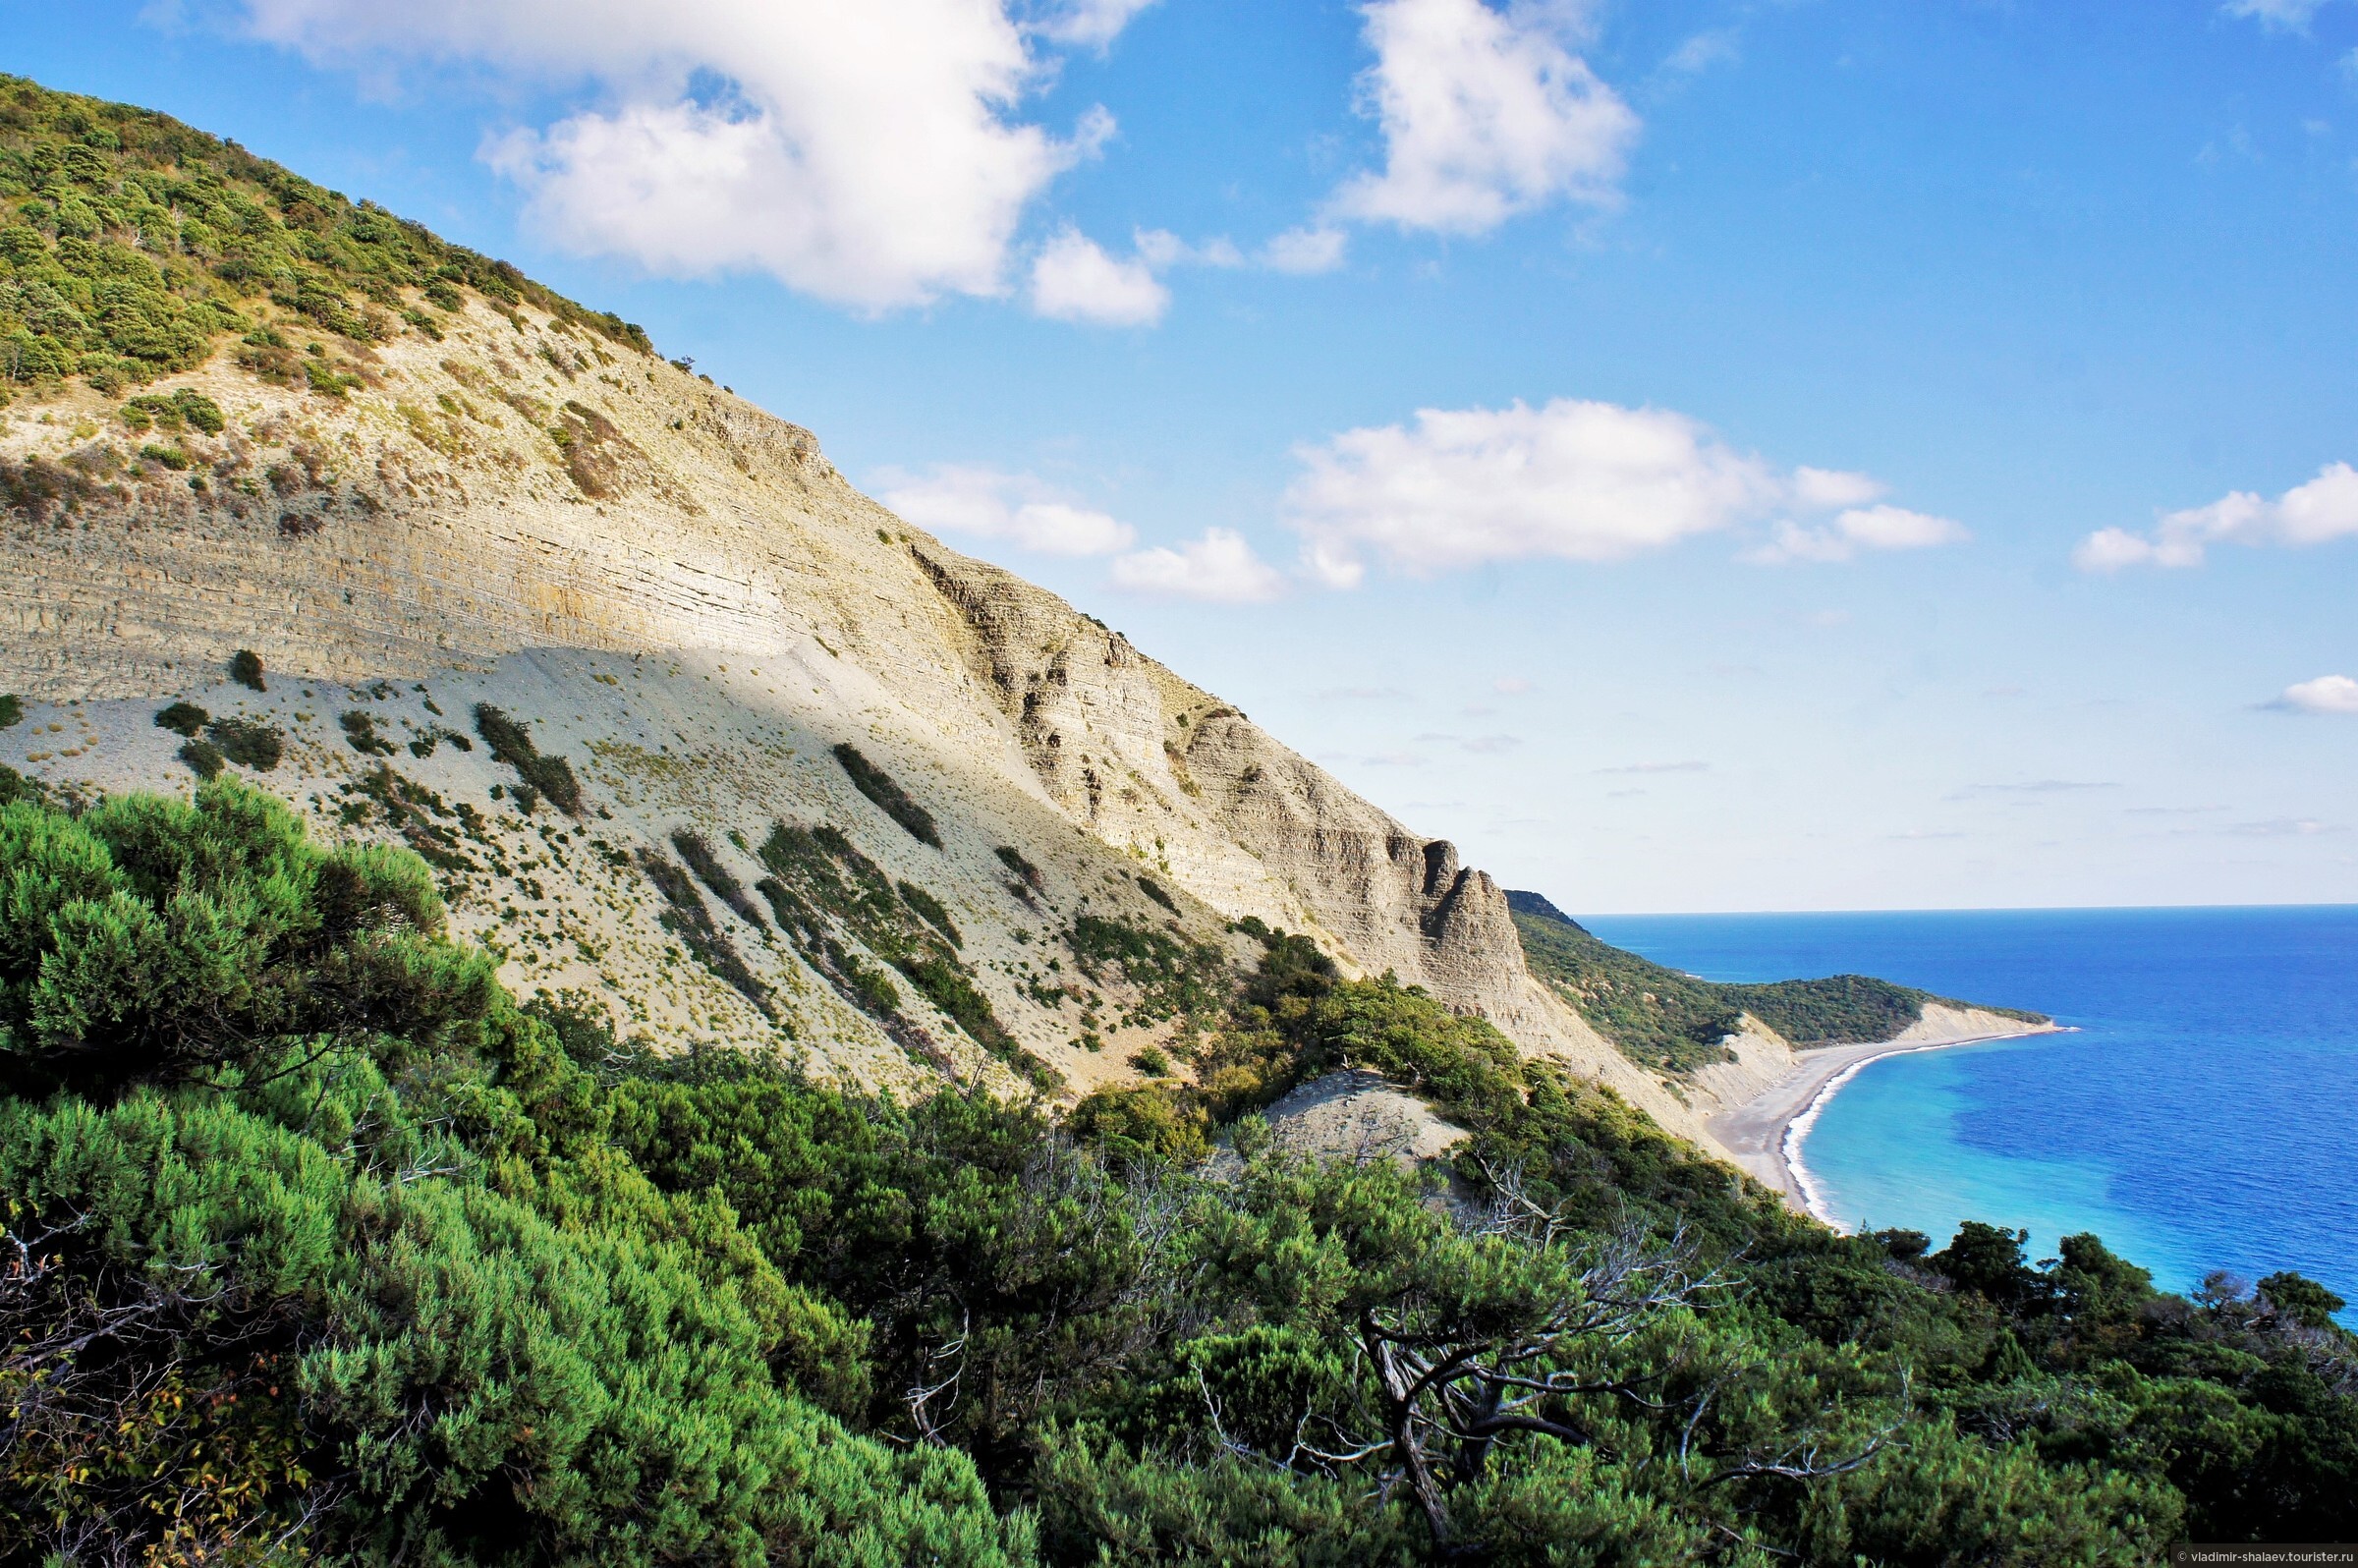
[{"x": 1390, "y": 898}]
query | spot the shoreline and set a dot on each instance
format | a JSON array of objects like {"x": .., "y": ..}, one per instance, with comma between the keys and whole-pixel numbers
[{"x": 1766, "y": 1134}]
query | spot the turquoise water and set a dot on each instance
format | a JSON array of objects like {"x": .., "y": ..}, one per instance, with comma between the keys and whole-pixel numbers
[{"x": 2201, "y": 1117}]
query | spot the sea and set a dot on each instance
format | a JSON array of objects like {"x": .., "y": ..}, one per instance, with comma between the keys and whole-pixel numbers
[{"x": 2202, "y": 1115}]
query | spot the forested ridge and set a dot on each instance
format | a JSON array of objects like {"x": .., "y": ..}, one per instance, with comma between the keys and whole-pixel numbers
[
  {"x": 1674, "y": 1023},
  {"x": 320, "y": 1246}
]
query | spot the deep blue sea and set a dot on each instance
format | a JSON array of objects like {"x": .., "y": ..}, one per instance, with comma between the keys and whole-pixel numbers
[{"x": 2204, "y": 1117}]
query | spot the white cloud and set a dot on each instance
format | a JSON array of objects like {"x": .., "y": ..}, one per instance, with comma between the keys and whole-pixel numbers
[
  {"x": 2111, "y": 549},
  {"x": 1584, "y": 481},
  {"x": 1824, "y": 489},
  {"x": 1090, "y": 23},
  {"x": 1161, "y": 248},
  {"x": 1570, "y": 480},
  {"x": 1073, "y": 279},
  {"x": 1486, "y": 113},
  {"x": 2288, "y": 15},
  {"x": 1510, "y": 686},
  {"x": 2315, "y": 513},
  {"x": 1220, "y": 567},
  {"x": 2328, "y": 694},
  {"x": 869, "y": 154},
  {"x": 1305, "y": 252},
  {"x": 1015, "y": 507},
  {"x": 1872, "y": 528}
]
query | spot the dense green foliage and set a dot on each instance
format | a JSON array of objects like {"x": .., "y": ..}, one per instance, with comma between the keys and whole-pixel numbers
[
  {"x": 1674, "y": 1023},
  {"x": 130, "y": 246},
  {"x": 318, "y": 1242},
  {"x": 314, "y": 1237},
  {"x": 887, "y": 795}
]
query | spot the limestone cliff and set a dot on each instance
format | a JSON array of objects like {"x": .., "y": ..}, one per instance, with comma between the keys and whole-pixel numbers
[{"x": 497, "y": 514}]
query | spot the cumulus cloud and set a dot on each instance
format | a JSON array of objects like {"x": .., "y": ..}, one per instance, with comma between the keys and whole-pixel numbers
[
  {"x": 1073, "y": 279},
  {"x": 2315, "y": 513},
  {"x": 1486, "y": 113},
  {"x": 872, "y": 154},
  {"x": 1220, "y": 566},
  {"x": 1585, "y": 481},
  {"x": 1017, "y": 508},
  {"x": 2328, "y": 694},
  {"x": 1870, "y": 528},
  {"x": 1571, "y": 479}
]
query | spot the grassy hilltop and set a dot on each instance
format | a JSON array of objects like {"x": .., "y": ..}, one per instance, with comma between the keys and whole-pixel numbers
[{"x": 131, "y": 245}]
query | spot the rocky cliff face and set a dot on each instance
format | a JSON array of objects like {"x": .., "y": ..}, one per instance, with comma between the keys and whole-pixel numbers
[{"x": 513, "y": 508}]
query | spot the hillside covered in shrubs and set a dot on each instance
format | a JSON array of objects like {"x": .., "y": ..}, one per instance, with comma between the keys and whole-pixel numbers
[
  {"x": 320, "y": 1245},
  {"x": 131, "y": 245}
]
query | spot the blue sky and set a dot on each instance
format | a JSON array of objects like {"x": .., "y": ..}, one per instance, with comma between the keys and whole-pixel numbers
[{"x": 1699, "y": 456}]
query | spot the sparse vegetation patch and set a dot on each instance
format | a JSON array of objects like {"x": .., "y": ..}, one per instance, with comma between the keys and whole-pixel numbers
[
  {"x": 688, "y": 919},
  {"x": 889, "y": 798},
  {"x": 597, "y": 455},
  {"x": 1179, "y": 980},
  {"x": 360, "y": 732},
  {"x": 828, "y": 896},
  {"x": 172, "y": 413},
  {"x": 204, "y": 757},
  {"x": 551, "y": 777},
  {"x": 927, "y": 905},
  {"x": 182, "y": 718},
  {"x": 420, "y": 816},
  {"x": 246, "y": 743},
  {"x": 719, "y": 879}
]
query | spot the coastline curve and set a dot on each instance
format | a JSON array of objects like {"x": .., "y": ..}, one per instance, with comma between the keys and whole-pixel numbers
[{"x": 1766, "y": 1135}]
